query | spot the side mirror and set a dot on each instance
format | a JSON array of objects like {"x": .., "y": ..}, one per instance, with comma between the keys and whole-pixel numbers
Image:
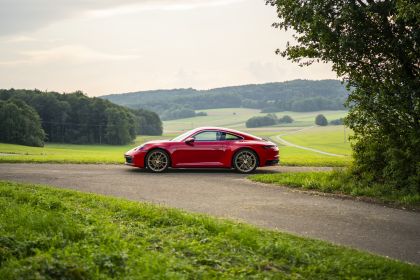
[{"x": 189, "y": 141}]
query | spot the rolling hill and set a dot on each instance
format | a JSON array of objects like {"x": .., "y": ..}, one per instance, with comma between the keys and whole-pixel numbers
[{"x": 296, "y": 95}]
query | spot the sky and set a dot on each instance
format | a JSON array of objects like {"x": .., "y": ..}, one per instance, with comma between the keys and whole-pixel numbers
[{"x": 115, "y": 46}]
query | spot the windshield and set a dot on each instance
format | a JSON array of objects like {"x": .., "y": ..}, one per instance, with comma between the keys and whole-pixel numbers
[{"x": 182, "y": 136}]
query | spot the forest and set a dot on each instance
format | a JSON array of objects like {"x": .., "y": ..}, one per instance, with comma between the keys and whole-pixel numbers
[
  {"x": 297, "y": 95},
  {"x": 70, "y": 118}
]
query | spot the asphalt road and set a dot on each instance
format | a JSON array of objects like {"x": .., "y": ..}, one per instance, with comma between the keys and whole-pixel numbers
[{"x": 378, "y": 229}]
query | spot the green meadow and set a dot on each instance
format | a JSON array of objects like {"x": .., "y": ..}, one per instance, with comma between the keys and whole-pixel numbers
[
  {"x": 236, "y": 118},
  {"x": 302, "y": 132},
  {"x": 67, "y": 153}
]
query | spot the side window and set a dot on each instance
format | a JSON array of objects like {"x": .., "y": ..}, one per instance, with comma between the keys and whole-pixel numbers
[
  {"x": 206, "y": 136},
  {"x": 231, "y": 137}
]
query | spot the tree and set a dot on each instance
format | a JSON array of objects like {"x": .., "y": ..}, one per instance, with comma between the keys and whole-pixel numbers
[
  {"x": 149, "y": 122},
  {"x": 20, "y": 124},
  {"x": 268, "y": 120},
  {"x": 117, "y": 128},
  {"x": 374, "y": 47},
  {"x": 337, "y": 122},
  {"x": 286, "y": 119},
  {"x": 76, "y": 118},
  {"x": 321, "y": 120}
]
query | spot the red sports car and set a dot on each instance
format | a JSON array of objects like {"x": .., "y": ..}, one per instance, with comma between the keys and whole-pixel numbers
[{"x": 205, "y": 147}]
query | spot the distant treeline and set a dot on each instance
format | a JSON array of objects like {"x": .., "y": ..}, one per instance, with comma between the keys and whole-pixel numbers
[
  {"x": 297, "y": 95},
  {"x": 72, "y": 118},
  {"x": 268, "y": 120},
  {"x": 177, "y": 112}
]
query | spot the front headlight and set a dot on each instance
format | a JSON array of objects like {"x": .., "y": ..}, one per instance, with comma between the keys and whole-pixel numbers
[{"x": 139, "y": 148}]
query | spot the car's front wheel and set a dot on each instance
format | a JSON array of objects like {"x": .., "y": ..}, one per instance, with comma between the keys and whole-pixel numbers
[
  {"x": 245, "y": 161},
  {"x": 157, "y": 161}
]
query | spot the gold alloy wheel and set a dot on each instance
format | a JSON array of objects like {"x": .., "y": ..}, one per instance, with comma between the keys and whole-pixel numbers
[
  {"x": 245, "y": 161},
  {"x": 157, "y": 161}
]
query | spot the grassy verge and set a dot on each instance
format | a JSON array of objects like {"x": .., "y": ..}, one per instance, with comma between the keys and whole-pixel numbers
[
  {"x": 47, "y": 233},
  {"x": 340, "y": 182}
]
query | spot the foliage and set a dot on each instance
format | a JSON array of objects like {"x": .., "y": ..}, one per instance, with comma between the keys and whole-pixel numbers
[
  {"x": 321, "y": 120},
  {"x": 298, "y": 95},
  {"x": 267, "y": 120},
  {"x": 202, "y": 114},
  {"x": 176, "y": 112},
  {"x": 374, "y": 46},
  {"x": 341, "y": 182},
  {"x": 285, "y": 119},
  {"x": 20, "y": 124},
  {"x": 76, "y": 118},
  {"x": 149, "y": 122},
  {"x": 337, "y": 122},
  {"x": 48, "y": 233}
]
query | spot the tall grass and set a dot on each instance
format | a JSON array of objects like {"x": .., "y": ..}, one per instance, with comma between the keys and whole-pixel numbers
[
  {"x": 47, "y": 233},
  {"x": 341, "y": 182}
]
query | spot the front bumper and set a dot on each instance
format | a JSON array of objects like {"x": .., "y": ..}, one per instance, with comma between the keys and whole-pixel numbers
[
  {"x": 135, "y": 158},
  {"x": 272, "y": 162},
  {"x": 128, "y": 160}
]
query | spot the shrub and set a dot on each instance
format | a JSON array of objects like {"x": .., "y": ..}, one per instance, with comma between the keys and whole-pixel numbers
[
  {"x": 286, "y": 119},
  {"x": 321, "y": 120},
  {"x": 268, "y": 120},
  {"x": 337, "y": 122}
]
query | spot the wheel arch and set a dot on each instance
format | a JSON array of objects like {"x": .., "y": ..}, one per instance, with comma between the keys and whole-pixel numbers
[
  {"x": 158, "y": 148},
  {"x": 242, "y": 149}
]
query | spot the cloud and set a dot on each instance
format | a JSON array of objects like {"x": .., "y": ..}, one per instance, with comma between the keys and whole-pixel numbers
[
  {"x": 23, "y": 16},
  {"x": 68, "y": 53}
]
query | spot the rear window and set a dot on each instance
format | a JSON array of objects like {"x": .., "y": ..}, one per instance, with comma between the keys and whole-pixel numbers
[{"x": 231, "y": 137}]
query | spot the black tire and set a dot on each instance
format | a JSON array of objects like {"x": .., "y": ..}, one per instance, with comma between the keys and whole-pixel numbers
[
  {"x": 157, "y": 161},
  {"x": 245, "y": 161}
]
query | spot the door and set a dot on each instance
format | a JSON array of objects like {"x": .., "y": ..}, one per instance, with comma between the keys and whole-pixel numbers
[{"x": 207, "y": 150}]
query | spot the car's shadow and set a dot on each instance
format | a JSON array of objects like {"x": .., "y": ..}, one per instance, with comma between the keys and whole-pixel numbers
[{"x": 200, "y": 171}]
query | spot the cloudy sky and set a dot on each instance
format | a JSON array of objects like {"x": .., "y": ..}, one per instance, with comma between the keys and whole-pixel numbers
[{"x": 112, "y": 46}]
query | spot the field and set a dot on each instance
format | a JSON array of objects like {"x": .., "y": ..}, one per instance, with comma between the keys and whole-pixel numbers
[
  {"x": 236, "y": 118},
  {"x": 61, "y": 234},
  {"x": 332, "y": 139},
  {"x": 67, "y": 153}
]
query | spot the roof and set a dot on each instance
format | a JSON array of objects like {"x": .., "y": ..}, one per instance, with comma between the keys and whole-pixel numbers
[{"x": 246, "y": 135}]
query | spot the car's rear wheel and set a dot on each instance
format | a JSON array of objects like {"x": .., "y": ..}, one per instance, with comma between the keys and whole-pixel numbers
[
  {"x": 245, "y": 161},
  {"x": 157, "y": 161}
]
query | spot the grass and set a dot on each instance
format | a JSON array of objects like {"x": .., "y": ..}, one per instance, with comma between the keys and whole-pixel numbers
[
  {"x": 48, "y": 233},
  {"x": 327, "y": 139},
  {"x": 332, "y": 139},
  {"x": 339, "y": 182},
  {"x": 236, "y": 118},
  {"x": 291, "y": 156},
  {"x": 68, "y": 153}
]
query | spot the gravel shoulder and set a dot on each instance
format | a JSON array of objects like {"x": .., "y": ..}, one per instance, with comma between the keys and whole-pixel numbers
[{"x": 370, "y": 227}]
